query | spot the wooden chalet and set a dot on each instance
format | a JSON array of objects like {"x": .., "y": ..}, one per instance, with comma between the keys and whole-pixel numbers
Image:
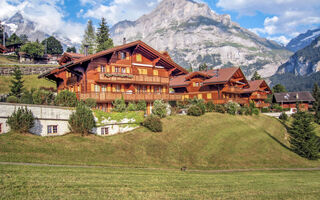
[
  {"x": 132, "y": 71},
  {"x": 219, "y": 86},
  {"x": 257, "y": 92},
  {"x": 68, "y": 57},
  {"x": 290, "y": 99},
  {"x": 3, "y": 49}
]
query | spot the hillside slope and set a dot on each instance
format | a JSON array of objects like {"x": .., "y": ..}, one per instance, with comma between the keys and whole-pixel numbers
[{"x": 213, "y": 141}]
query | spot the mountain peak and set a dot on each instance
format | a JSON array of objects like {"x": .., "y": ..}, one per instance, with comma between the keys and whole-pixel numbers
[{"x": 16, "y": 18}]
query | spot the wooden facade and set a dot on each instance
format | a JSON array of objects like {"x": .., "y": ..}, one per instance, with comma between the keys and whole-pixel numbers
[
  {"x": 221, "y": 86},
  {"x": 132, "y": 71},
  {"x": 288, "y": 100}
]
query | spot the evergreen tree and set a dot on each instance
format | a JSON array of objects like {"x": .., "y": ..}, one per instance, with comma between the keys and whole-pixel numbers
[
  {"x": 24, "y": 38},
  {"x": 82, "y": 121},
  {"x": 103, "y": 39},
  {"x": 316, "y": 104},
  {"x": 303, "y": 139},
  {"x": 89, "y": 39},
  {"x": 256, "y": 76},
  {"x": 52, "y": 45},
  {"x": 279, "y": 88},
  {"x": 13, "y": 39},
  {"x": 72, "y": 49},
  {"x": 203, "y": 67},
  {"x": 16, "y": 87}
]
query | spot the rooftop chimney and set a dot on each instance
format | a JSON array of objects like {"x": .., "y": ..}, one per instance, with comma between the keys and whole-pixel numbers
[
  {"x": 86, "y": 50},
  {"x": 124, "y": 40}
]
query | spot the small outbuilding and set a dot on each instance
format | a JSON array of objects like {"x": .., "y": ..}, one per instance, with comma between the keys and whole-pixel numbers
[{"x": 290, "y": 99}]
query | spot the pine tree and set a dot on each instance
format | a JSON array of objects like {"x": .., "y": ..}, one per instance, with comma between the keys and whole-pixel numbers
[
  {"x": 256, "y": 76},
  {"x": 89, "y": 39},
  {"x": 203, "y": 67},
  {"x": 303, "y": 139},
  {"x": 52, "y": 45},
  {"x": 278, "y": 88},
  {"x": 16, "y": 83},
  {"x": 316, "y": 104},
  {"x": 103, "y": 39},
  {"x": 72, "y": 49}
]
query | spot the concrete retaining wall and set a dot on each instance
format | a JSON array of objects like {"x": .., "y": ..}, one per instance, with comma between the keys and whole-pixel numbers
[{"x": 7, "y": 71}]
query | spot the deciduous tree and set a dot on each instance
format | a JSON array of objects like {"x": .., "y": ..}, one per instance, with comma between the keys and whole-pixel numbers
[{"x": 52, "y": 45}]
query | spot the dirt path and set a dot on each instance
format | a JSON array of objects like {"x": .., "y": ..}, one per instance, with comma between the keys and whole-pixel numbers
[{"x": 165, "y": 169}]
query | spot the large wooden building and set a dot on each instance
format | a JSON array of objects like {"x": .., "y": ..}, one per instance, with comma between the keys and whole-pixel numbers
[
  {"x": 132, "y": 71},
  {"x": 221, "y": 86}
]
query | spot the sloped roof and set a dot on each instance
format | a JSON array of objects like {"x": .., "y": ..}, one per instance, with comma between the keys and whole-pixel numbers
[
  {"x": 215, "y": 76},
  {"x": 119, "y": 48},
  {"x": 255, "y": 86},
  {"x": 289, "y": 97}
]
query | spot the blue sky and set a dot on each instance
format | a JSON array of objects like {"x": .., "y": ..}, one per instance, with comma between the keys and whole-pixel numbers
[{"x": 279, "y": 20}]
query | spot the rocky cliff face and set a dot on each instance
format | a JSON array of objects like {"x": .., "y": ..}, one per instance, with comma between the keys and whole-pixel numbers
[
  {"x": 194, "y": 34},
  {"x": 303, "y": 40},
  {"x": 305, "y": 61}
]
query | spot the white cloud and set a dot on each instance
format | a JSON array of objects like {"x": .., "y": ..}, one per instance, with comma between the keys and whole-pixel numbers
[
  {"x": 289, "y": 16},
  {"x": 47, "y": 15},
  {"x": 280, "y": 39},
  {"x": 118, "y": 10}
]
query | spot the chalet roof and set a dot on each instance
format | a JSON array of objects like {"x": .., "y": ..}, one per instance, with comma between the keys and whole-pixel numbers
[
  {"x": 139, "y": 43},
  {"x": 74, "y": 55},
  {"x": 3, "y": 48},
  {"x": 255, "y": 86},
  {"x": 215, "y": 76},
  {"x": 289, "y": 97}
]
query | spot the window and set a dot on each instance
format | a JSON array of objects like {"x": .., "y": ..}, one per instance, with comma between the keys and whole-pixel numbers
[
  {"x": 201, "y": 84},
  {"x": 155, "y": 72},
  {"x": 104, "y": 131},
  {"x": 117, "y": 69},
  {"x": 104, "y": 88},
  {"x": 197, "y": 84},
  {"x": 139, "y": 58},
  {"x": 103, "y": 68},
  {"x": 123, "y": 70},
  {"x": 123, "y": 55},
  {"x": 209, "y": 96},
  {"x": 96, "y": 88},
  {"x": 118, "y": 88},
  {"x": 52, "y": 129}
]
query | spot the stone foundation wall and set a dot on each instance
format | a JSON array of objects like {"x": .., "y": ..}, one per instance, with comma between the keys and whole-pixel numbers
[{"x": 7, "y": 71}]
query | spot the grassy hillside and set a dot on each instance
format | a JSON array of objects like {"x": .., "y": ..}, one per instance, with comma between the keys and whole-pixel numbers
[
  {"x": 30, "y": 81},
  {"x": 213, "y": 141},
  {"x": 8, "y": 59},
  {"x": 35, "y": 182}
]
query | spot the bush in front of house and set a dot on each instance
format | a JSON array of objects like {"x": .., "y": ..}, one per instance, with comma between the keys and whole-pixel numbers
[
  {"x": 132, "y": 106},
  {"x": 220, "y": 108},
  {"x": 26, "y": 97},
  {"x": 194, "y": 111},
  {"x": 21, "y": 120},
  {"x": 91, "y": 103},
  {"x": 255, "y": 111},
  {"x": 232, "y": 108},
  {"x": 283, "y": 116},
  {"x": 142, "y": 105},
  {"x": 265, "y": 110},
  {"x": 160, "y": 108},
  {"x": 82, "y": 121},
  {"x": 119, "y": 105},
  {"x": 42, "y": 97},
  {"x": 12, "y": 99},
  {"x": 66, "y": 98},
  {"x": 153, "y": 123},
  {"x": 210, "y": 107}
]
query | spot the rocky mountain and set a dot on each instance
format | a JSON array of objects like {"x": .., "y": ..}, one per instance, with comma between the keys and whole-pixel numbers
[
  {"x": 303, "y": 40},
  {"x": 305, "y": 61},
  {"x": 19, "y": 25},
  {"x": 194, "y": 34}
]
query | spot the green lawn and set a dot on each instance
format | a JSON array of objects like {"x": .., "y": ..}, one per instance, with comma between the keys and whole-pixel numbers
[
  {"x": 29, "y": 182},
  {"x": 30, "y": 81},
  {"x": 212, "y": 141},
  {"x": 9, "y": 59}
]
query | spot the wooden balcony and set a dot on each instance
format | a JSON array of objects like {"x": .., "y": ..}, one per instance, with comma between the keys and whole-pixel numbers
[
  {"x": 109, "y": 96},
  {"x": 262, "y": 105},
  {"x": 129, "y": 78},
  {"x": 232, "y": 90},
  {"x": 259, "y": 96},
  {"x": 225, "y": 100}
]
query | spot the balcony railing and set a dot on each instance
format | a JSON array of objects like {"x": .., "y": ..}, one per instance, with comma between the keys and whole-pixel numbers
[
  {"x": 225, "y": 100},
  {"x": 259, "y": 96},
  {"x": 262, "y": 105},
  {"x": 108, "y": 96},
  {"x": 232, "y": 90},
  {"x": 128, "y": 78}
]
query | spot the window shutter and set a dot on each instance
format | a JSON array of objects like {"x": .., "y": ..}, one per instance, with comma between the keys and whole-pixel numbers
[
  {"x": 128, "y": 70},
  {"x": 155, "y": 72},
  {"x": 139, "y": 57},
  {"x": 164, "y": 90},
  {"x": 122, "y": 88},
  {"x": 112, "y": 69}
]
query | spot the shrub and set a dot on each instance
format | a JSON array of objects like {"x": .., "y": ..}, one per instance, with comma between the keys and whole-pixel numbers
[
  {"x": 174, "y": 110},
  {"x": 21, "y": 120},
  {"x": 153, "y": 123},
  {"x": 232, "y": 108},
  {"x": 202, "y": 107},
  {"x": 119, "y": 105},
  {"x": 66, "y": 98},
  {"x": 265, "y": 110},
  {"x": 182, "y": 104},
  {"x": 42, "y": 97},
  {"x": 159, "y": 108},
  {"x": 91, "y": 103},
  {"x": 242, "y": 111},
  {"x": 12, "y": 99},
  {"x": 220, "y": 108},
  {"x": 132, "y": 106},
  {"x": 27, "y": 97},
  {"x": 82, "y": 121},
  {"x": 283, "y": 116},
  {"x": 248, "y": 111},
  {"x": 210, "y": 107},
  {"x": 255, "y": 111},
  {"x": 142, "y": 105},
  {"x": 194, "y": 110}
]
